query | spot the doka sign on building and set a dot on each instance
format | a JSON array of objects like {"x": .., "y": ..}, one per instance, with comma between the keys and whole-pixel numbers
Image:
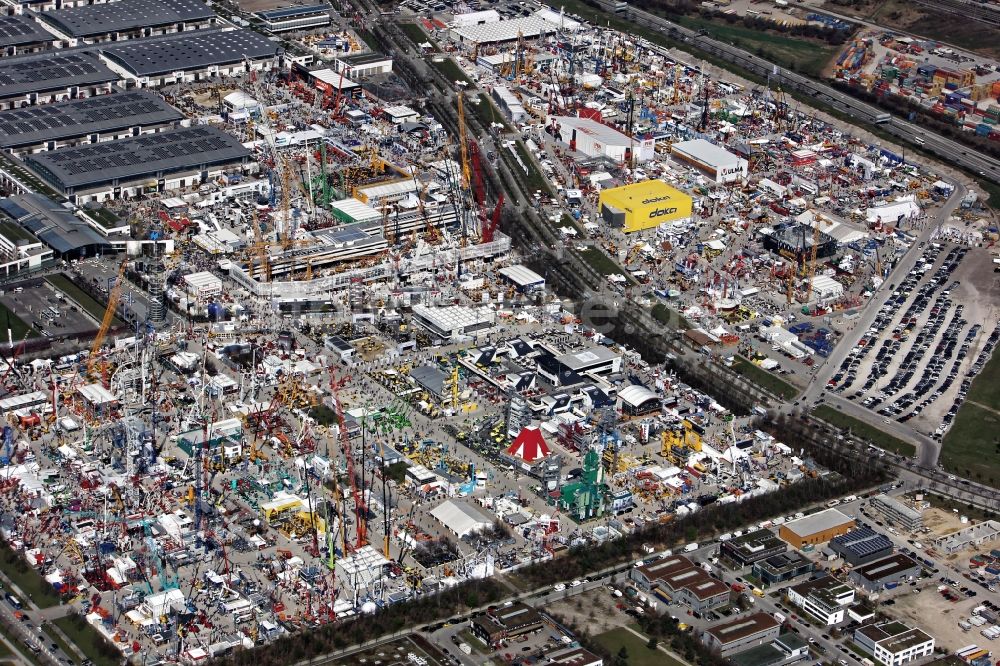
[{"x": 644, "y": 205}]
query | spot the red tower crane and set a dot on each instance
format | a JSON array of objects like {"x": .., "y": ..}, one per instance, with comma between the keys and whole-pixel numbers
[{"x": 360, "y": 511}]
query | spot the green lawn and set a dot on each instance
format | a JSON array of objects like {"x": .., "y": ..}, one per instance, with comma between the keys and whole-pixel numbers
[
  {"x": 415, "y": 33},
  {"x": 863, "y": 430},
  {"x": 602, "y": 263},
  {"x": 665, "y": 315},
  {"x": 103, "y": 217},
  {"x": 18, "y": 327},
  {"x": 534, "y": 179},
  {"x": 972, "y": 448},
  {"x": 82, "y": 298},
  {"x": 50, "y": 630},
  {"x": 993, "y": 190},
  {"x": 451, "y": 70},
  {"x": 985, "y": 388},
  {"x": 368, "y": 38},
  {"x": 805, "y": 56},
  {"x": 764, "y": 379},
  {"x": 89, "y": 640},
  {"x": 487, "y": 112},
  {"x": 639, "y": 653},
  {"x": 27, "y": 579}
]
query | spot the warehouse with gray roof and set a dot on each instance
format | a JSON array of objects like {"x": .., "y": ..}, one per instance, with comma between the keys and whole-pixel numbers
[
  {"x": 170, "y": 160},
  {"x": 189, "y": 57},
  {"x": 68, "y": 236},
  {"x": 20, "y": 34},
  {"x": 41, "y": 78},
  {"x": 84, "y": 121},
  {"x": 126, "y": 19}
]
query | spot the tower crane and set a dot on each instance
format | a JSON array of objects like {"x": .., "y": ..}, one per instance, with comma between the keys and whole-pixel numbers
[
  {"x": 109, "y": 316},
  {"x": 811, "y": 270},
  {"x": 360, "y": 512},
  {"x": 463, "y": 145}
]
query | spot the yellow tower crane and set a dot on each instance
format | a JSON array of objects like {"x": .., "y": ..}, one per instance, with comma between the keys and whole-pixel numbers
[
  {"x": 464, "y": 145},
  {"x": 109, "y": 316}
]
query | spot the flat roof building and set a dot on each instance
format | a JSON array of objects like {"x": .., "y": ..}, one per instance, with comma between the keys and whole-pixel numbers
[
  {"x": 889, "y": 571},
  {"x": 189, "y": 57},
  {"x": 753, "y": 547},
  {"x": 84, "y": 121},
  {"x": 816, "y": 528},
  {"x": 573, "y": 656},
  {"x": 41, "y": 78},
  {"x": 644, "y": 205},
  {"x": 892, "y": 642},
  {"x": 20, "y": 250},
  {"x": 68, "y": 236},
  {"x": 21, "y": 34},
  {"x": 125, "y": 19},
  {"x": 795, "y": 242},
  {"x": 676, "y": 579},
  {"x": 595, "y": 139},
  {"x": 974, "y": 535},
  {"x": 714, "y": 161},
  {"x": 166, "y": 161},
  {"x": 362, "y": 65},
  {"x": 826, "y": 598},
  {"x": 782, "y": 567},
  {"x": 295, "y": 18},
  {"x": 523, "y": 278},
  {"x": 454, "y": 321},
  {"x": 898, "y": 513},
  {"x": 785, "y": 649},
  {"x": 499, "y": 32},
  {"x": 742, "y": 633},
  {"x": 861, "y": 545}
]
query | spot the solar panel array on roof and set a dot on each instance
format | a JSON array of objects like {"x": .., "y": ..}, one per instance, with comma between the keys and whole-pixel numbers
[
  {"x": 143, "y": 156},
  {"x": 191, "y": 50},
  {"x": 74, "y": 118},
  {"x": 863, "y": 541},
  {"x": 17, "y": 30},
  {"x": 124, "y": 15},
  {"x": 293, "y": 12},
  {"x": 51, "y": 71}
]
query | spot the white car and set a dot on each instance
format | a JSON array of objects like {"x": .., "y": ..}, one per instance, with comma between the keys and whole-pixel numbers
[
  {"x": 559, "y": 587},
  {"x": 575, "y": 583}
]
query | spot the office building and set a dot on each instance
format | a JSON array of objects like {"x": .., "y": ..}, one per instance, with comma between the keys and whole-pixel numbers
[
  {"x": 893, "y": 643},
  {"x": 752, "y": 547},
  {"x": 295, "y": 18},
  {"x": 782, "y": 567},
  {"x": 898, "y": 513},
  {"x": 742, "y": 633},
  {"x": 826, "y": 599}
]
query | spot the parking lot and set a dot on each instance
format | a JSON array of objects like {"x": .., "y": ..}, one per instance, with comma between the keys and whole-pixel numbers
[{"x": 915, "y": 360}]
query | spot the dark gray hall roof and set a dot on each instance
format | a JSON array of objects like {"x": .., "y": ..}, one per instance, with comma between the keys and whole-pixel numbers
[
  {"x": 51, "y": 223},
  {"x": 19, "y": 29},
  {"x": 139, "y": 157},
  {"x": 124, "y": 15},
  {"x": 32, "y": 125},
  {"x": 190, "y": 50},
  {"x": 42, "y": 72}
]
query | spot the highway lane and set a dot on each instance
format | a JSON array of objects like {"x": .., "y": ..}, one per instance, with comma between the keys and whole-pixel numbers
[{"x": 950, "y": 151}]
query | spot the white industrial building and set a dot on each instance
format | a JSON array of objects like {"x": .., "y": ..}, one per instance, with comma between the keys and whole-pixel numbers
[
  {"x": 595, "y": 139},
  {"x": 825, "y": 288},
  {"x": 454, "y": 321},
  {"x": 892, "y": 643},
  {"x": 361, "y": 65},
  {"x": 523, "y": 278},
  {"x": 509, "y": 104},
  {"x": 475, "y": 18},
  {"x": 499, "y": 31},
  {"x": 203, "y": 285},
  {"x": 461, "y": 518},
  {"x": 714, "y": 161},
  {"x": 295, "y": 18},
  {"x": 896, "y": 212}
]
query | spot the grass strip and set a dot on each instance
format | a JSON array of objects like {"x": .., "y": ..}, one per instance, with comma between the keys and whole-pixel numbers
[
  {"x": 86, "y": 637},
  {"x": 90, "y": 305},
  {"x": 766, "y": 380},
  {"x": 28, "y": 580},
  {"x": 873, "y": 435}
]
